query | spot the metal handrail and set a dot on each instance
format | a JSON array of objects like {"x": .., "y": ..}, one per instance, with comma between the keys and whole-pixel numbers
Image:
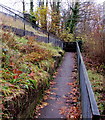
[
  {"x": 88, "y": 102},
  {"x": 50, "y": 37},
  {"x": 11, "y": 8},
  {"x": 6, "y": 8}
]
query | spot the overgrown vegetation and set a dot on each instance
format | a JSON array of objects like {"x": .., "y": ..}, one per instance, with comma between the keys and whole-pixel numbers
[
  {"x": 99, "y": 89},
  {"x": 91, "y": 30},
  {"x": 67, "y": 36},
  {"x": 25, "y": 63}
]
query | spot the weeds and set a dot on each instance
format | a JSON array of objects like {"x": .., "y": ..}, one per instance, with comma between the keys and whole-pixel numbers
[
  {"x": 97, "y": 81},
  {"x": 25, "y": 62}
]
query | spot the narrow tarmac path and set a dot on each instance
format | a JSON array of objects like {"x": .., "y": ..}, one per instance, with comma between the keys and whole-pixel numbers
[{"x": 60, "y": 89}]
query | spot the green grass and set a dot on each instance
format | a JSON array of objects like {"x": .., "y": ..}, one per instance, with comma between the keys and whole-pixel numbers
[
  {"x": 21, "y": 40},
  {"x": 97, "y": 82}
]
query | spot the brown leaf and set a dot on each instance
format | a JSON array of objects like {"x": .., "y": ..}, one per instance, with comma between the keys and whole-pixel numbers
[
  {"x": 69, "y": 83},
  {"x": 52, "y": 83}
]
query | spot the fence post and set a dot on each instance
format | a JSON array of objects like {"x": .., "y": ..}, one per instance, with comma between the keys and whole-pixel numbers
[
  {"x": 48, "y": 37},
  {"x": 15, "y": 17}
]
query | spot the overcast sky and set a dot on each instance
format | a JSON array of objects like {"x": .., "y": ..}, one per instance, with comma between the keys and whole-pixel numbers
[{"x": 17, "y": 4}]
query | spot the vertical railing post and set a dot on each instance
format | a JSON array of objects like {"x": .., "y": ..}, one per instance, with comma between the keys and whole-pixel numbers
[
  {"x": 15, "y": 17},
  {"x": 24, "y": 15},
  {"x": 48, "y": 37}
]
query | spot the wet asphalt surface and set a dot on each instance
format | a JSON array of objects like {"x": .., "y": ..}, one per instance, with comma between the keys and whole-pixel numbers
[{"x": 59, "y": 90}]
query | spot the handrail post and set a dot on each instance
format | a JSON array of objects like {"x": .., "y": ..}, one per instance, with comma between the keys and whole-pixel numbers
[{"x": 48, "y": 37}]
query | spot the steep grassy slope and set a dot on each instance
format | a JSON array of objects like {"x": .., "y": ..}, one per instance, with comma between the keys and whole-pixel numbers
[
  {"x": 25, "y": 65},
  {"x": 17, "y": 23}
]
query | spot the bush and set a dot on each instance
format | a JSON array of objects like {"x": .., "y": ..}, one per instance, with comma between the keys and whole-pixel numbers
[
  {"x": 66, "y": 36},
  {"x": 25, "y": 62}
]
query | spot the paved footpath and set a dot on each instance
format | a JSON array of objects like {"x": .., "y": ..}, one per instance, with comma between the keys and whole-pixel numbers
[{"x": 59, "y": 90}]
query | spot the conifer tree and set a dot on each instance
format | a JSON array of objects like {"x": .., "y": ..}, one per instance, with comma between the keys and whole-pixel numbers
[{"x": 73, "y": 18}]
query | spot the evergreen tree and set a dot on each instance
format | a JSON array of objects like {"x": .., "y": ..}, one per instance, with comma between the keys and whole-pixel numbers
[
  {"x": 73, "y": 18},
  {"x": 31, "y": 6}
]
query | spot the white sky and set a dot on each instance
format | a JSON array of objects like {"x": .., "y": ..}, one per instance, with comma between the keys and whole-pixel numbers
[
  {"x": 17, "y": 4},
  {"x": 100, "y": 1}
]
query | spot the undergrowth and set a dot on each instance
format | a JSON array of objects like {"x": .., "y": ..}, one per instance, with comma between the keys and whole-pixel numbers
[
  {"x": 25, "y": 63},
  {"x": 97, "y": 81}
]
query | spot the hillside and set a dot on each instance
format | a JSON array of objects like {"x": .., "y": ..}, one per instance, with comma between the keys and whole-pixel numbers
[
  {"x": 26, "y": 65},
  {"x": 18, "y": 23}
]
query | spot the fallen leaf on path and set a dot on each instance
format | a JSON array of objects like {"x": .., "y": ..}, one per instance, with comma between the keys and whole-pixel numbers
[
  {"x": 46, "y": 97},
  {"x": 52, "y": 93},
  {"x": 65, "y": 96},
  {"x": 52, "y": 98},
  {"x": 48, "y": 91},
  {"x": 52, "y": 83},
  {"x": 74, "y": 90},
  {"x": 55, "y": 88},
  {"x": 44, "y": 104},
  {"x": 69, "y": 83},
  {"x": 62, "y": 111},
  {"x": 59, "y": 102},
  {"x": 54, "y": 76}
]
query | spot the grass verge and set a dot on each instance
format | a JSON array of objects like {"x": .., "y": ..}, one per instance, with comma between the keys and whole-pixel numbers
[{"x": 99, "y": 89}]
